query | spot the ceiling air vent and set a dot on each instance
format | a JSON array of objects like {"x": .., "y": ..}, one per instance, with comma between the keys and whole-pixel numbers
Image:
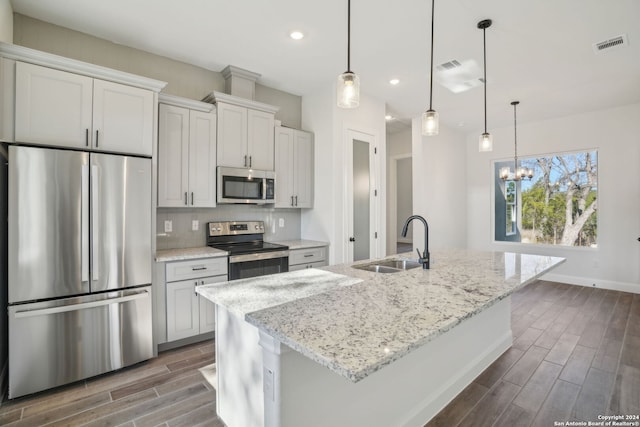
[
  {"x": 610, "y": 44},
  {"x": 458, "y": 76},
  {"x": 448, "y": 65}
]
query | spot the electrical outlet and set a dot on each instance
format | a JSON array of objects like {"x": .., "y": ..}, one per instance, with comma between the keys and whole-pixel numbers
[
  {"x": 281, "y": 222},
  {"x": 195, "y": 225},
  {"x": 168, "y": 226}
]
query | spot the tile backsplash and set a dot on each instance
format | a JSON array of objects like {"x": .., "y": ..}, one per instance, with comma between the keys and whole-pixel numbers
[{"x": 182, "y": 235}]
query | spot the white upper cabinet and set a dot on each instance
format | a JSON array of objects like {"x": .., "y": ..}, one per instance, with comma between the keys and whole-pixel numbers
[
  {"x": 294, "y": 168},
  {"x": 260, "y": 144},
  {"x": 186, "y": 154},
  {"x": 245, "y": 132},
  {"x": 122, "y": 118},
  {"x": 63, "y": 109},
  {"x": 232, "y": 136},
  {"x": 52, "y": 107}
]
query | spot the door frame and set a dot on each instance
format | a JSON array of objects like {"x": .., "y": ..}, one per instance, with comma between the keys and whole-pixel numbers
[
  {"x": 375, "y": 183},
  {"x": 392, "y": 202}
]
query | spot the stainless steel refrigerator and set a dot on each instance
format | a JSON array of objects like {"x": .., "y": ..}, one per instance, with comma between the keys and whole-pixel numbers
[{"x": 79, "y": 265}]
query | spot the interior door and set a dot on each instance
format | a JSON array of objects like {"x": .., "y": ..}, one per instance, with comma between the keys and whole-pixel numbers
[
  {"x": 361, "y": 197},
  {"x": 120, "y": 221}
]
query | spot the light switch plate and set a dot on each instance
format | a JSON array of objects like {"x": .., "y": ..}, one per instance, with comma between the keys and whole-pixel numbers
[
  {"x": 195, "y": 225},
  {"x": 168, "y": 226},
  {"x": 281, "y": 222}
]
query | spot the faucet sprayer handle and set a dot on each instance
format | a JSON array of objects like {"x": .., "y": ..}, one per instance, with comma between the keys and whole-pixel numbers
[{"x": 418, "y": 250}]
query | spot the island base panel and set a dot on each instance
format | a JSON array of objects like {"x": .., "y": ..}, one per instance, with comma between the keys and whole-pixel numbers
[{"x": 406, "y": 393}]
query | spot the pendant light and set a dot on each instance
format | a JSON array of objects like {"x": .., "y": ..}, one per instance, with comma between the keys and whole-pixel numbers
[
  {"x": 348, "y": 82},
  {"x": 486, "y": 140},
  {"x": 521, "y": 173},
  {"x": 430, "y": 124}
]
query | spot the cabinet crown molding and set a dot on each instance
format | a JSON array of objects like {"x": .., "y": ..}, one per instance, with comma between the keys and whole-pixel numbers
[
  {"x": 191, "y": 104},
  {"x": 215, "y": 97},
  {"x": 25, "y": 54}
]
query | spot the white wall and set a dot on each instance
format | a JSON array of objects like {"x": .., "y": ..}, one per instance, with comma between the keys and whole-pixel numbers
[
  {"x": 6, "y": 21},
  {"x": 615, "y": 264},
  {"x": 320, "y": 115},
  {"x": 439, "y": 181}
]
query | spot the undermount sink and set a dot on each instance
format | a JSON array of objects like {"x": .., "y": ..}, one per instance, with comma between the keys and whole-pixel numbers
[{"x": 389, "y": 265}]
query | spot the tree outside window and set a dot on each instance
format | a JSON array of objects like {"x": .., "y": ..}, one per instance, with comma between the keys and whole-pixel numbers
[{"x": 557, "y": 207}]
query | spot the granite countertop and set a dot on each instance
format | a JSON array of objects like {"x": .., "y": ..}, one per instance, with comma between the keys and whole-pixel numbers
[
  {"x": 245, "y": 296},
  {"x": 302, "y": 244},
  {"x": 356, "y": 329},
  {"x": 168, "y": 255}
]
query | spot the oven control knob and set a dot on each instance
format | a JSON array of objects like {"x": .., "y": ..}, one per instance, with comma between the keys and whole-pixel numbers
[{"x": 256, "y": 226}]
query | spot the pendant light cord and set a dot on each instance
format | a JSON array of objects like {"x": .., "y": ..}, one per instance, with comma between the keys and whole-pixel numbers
[
  {"x": 348, "y": 36},
  {"x": 515, "y": 138},
  {"x": 433, "y": 5},
  {"x": 484, "y": 42}
]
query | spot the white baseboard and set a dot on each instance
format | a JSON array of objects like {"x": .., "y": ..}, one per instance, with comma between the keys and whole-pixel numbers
[{"x": 593, "y": 283}]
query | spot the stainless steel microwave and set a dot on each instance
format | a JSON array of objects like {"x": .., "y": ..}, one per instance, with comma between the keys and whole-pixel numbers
[{"x": 238, "y": 185}]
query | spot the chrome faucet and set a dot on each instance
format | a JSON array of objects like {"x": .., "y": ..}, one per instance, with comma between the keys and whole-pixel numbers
[{"x": 424, "y": 258}]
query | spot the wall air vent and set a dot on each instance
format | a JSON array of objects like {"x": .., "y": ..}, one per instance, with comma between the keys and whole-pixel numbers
[{"x": 611, "y": 44}]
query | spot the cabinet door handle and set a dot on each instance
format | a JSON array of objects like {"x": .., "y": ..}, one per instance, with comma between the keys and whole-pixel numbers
[
  {"x": 185, "y": 199},
  {"x": 86, "y": 137},
  {"x": 291, "y": 200},
  {"x": 192, "y": 198},
  {"x": 245, "y": 161},
  {"x": 97, "y": 138},
  {"x": 249, "y": 161},
  {"x": 296, "y": 200}
]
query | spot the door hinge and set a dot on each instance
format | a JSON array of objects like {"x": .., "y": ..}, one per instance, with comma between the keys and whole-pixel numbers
[{"x": 376, "y": 234}]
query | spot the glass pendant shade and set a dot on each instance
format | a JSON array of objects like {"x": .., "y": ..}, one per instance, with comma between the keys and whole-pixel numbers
[
  {"x": 505, "y": 172},
  {"x": 348, "y": 90},
  {"x": 486, "y": 142},
  {"x": 430, "y": 124}
]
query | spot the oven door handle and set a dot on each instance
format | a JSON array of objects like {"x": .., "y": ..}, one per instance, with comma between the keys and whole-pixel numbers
[{"x": 258, "y": 256}]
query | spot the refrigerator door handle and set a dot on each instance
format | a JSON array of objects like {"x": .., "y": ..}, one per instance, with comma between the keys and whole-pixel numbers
[
  {"x": 95, "y": 224},
  {"x": 81, "y": 306},
  {"x": 84, "y": 201}
]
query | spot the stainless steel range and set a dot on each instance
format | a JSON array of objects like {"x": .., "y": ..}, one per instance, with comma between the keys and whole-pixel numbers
[{"x": 249, "y": 254}]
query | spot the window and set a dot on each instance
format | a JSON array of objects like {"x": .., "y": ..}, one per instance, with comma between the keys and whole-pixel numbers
[{"x": 558, "y": 206}]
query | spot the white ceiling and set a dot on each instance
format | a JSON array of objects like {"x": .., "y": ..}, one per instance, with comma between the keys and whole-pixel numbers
[{"x": 538, "y": 52}]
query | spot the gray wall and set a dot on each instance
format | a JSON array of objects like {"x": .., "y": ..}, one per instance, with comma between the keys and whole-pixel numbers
[
  {"x": 6, "y": 21},
  {"x": 183, "y": 237},
  {"x": 183, "y": 79}
]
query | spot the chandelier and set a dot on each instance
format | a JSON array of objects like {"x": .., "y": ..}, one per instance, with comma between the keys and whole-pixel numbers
[{"x": 520, "y": 173}]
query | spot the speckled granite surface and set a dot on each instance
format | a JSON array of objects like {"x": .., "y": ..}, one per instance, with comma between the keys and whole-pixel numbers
[
  {"x": 356, "y": 330},
  {"x": 167, "y": 255},
  {"x": 249, "y": 295},
  {"x": 302, "y": 244}
]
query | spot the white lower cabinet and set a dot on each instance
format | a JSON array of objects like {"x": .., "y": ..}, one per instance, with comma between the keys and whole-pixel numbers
[
  {"x": 299, "y": 259},
  {"x": 189, "y": 314}
]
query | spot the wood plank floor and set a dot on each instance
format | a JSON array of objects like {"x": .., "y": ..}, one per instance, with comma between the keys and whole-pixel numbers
[{"x": 576, "y": 355}]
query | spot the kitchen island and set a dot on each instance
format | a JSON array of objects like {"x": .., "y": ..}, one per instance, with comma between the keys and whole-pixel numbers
[{"x": 345, "y": 346}]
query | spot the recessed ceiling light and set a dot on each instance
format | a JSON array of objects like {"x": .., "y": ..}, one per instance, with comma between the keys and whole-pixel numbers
[
  {"x": 296, "y": 35},
  {"x": 388, "y": 117},
  {"x": 394, "y": 81}
]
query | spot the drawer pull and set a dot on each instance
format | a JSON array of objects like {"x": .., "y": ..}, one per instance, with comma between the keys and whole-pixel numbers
[
  {"x": 308, "y": 255},
  {"x": 198, "y": 268}
]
